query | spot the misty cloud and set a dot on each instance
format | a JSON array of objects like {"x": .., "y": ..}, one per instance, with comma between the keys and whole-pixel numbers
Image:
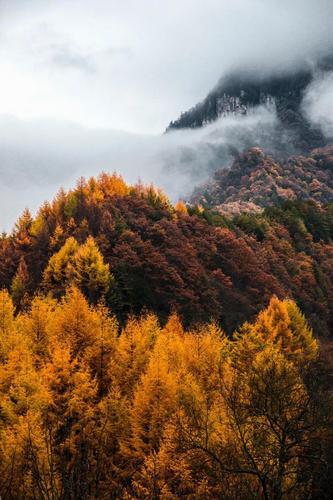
[
  {"x": 65, "y": 57},
  {"x": 318, "y": 103},
  {"x": 37, "y": 157}
]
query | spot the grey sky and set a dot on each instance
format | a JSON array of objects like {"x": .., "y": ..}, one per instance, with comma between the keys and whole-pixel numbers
[
  {"x": 72, "y": 72},
  {"x": 135, "y": 65}
]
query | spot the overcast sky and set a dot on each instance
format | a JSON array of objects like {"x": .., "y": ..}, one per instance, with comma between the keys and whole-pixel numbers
[
  {"x": 72, "y": 72},
  {"x": 135, "y": 65}
]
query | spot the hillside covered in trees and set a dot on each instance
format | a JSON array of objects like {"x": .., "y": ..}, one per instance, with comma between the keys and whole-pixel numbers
[
  {"x": 132, "y": 248},
  {"x": 157, "y": 351},
  {"x": 156, "y": 348},
  {"x": 256, "y": 180}
]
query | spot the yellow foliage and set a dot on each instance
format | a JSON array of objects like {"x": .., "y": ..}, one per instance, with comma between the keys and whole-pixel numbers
[
  {"x": 82, "y": 265},
  {"x": 133, "y": 352},
  {"x": 74, "y": 323},
  {"x": 155, "y": 412},
  {"x": 35, "y": 325},
  {"x": 180, "y": 207},
  {"x": 59, "y": 269},
  {"x": 283, "y": 324}
]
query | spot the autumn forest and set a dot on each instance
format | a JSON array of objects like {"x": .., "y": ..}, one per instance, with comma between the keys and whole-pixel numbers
[
  {"x": 166, "y": 291},
  {"x": 159, "y": 351}
]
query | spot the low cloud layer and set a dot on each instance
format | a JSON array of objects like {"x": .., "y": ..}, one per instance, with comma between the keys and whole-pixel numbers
[{"x": 37, "y": 157}]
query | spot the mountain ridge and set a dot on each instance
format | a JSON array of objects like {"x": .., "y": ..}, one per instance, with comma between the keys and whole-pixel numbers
[{"x": 239, "y": 92}]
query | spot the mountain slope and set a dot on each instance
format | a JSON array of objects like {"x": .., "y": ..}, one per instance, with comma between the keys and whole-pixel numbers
[
  {"x": 240, "y": 92},
  {"x": 164, "y": 258},
  {"x": 256, "y": 180}
]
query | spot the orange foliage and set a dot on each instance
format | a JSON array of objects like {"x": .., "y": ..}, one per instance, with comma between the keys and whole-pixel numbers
[{"x": 151, "y": 412}]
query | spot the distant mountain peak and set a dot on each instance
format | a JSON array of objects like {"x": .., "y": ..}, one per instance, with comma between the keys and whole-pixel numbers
[{"x": 243, "y": 90}]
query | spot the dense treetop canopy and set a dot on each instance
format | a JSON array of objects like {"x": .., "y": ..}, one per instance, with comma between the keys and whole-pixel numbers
[{"x": 131, "y": 247}]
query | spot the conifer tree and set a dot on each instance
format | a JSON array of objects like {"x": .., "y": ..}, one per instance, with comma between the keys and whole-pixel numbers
[
  {"x": 20, "y": 285},
  {"x": 305, "y": 346},
  {"x": 133, "y": 352},
  {"x": 56, "y": 239},
  {"x": 37, "y": 325},
  {"x": 22, "y": 230},
  {"x": 153, "y": 404},
  {"x": 100, "y": 353},
  {"x": 90, "y": 273},
  {"x": 58, "y": 273},
  {"x": 274, "y": 426},
  {"x": 74, "y": 323},
  {"x": 6, "y": 322},
  {"x": 69, "y": 421},
  {"x": 82, "y": 266},
  {"x": 282, "y": 323}
]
